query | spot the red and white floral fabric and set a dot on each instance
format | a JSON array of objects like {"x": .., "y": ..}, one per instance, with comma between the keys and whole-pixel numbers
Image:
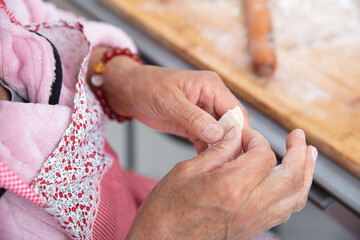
[{"x": 69, "y": 180}]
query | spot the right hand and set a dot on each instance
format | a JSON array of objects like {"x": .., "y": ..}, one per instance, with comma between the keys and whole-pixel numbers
[{"x": 221, "y": 194}]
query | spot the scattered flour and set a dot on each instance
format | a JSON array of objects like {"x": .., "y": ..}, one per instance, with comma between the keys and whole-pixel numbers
[{"x": 332, "y": 35}]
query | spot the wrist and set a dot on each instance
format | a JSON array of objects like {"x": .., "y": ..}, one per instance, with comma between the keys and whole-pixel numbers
[
  {"x": 118, "y": 84},
  {"x": 108, "y": 79}
]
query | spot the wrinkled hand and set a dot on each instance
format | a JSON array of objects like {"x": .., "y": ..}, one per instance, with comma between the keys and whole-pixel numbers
[
  {"x": 224, "y": 195},
  {"x": 185, "y": 103}
]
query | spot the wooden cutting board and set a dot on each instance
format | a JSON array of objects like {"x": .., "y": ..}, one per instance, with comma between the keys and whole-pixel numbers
[{"x": 316, "y": 86}]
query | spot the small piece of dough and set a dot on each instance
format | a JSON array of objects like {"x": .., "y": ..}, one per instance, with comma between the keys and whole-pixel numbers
[{"x": 231, "y": 118}]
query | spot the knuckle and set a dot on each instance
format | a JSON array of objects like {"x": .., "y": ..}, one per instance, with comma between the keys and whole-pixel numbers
[
  {"x": 276, "y": 222},
  {"x": 296, "y": 182},
  {"x": 218, "y": 149},
  {"x": 284, "y": 219},
  {"x": 303, "y": 201},
  {"x": 270, "y": 158},
  {"x": 303, "y": 204},
  {"x": 224, "y": 152},
  {"x": 299, "y": 204},
  {"x": 181, "y": 167},
  {"x": 212, "y": 75},
  {"x": 260, "y": 143},
  {"x": 192, "y": 117}
]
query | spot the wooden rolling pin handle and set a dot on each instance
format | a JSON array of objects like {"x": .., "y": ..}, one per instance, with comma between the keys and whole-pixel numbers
[{"x": 261, "y": 42}]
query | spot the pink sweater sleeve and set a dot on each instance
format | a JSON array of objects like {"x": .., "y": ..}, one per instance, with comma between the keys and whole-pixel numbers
[{"x": 97, "y": 33}]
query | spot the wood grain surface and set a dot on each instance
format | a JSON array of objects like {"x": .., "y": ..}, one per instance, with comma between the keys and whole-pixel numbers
[{"x": 316, "y": 86}]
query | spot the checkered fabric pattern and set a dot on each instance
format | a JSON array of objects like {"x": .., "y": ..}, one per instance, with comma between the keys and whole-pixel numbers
[{"x": 11, "y": 182}]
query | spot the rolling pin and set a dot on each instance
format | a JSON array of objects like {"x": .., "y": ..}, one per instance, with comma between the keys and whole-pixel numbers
[{"x": 261, "y": 42}]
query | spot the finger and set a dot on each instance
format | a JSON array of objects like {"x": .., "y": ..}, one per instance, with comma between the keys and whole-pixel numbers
[
  {"x": 296, "y": 137},
  {"x": 219, "y": 153},
  {"x": 196, "y": 121},
  {"x": 252, "y": 139},
  {"x": 167, "y": 126},
  {"x": 225, "y": 100},
  {"x": 200, "y": 146},
  {"x": 297, "y": 201},
  {"x": 277, "y": 212},
  {"x": 251, "y": 167},
  {"x": 286, "y": 178}
]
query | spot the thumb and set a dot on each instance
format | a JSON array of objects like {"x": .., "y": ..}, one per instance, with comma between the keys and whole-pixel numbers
[{"x": 197, "y": 122}]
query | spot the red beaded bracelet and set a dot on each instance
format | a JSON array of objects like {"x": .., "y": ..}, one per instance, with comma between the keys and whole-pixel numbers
[{"x": 97, "y": 80}]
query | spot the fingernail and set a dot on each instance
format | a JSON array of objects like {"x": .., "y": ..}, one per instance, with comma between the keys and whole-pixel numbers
[
  {"x": 314, "y": 154},
  {"x": 213, "y": 132},
  {"x": 302, "y": 133},
  {"x": 230, "y": 134}
]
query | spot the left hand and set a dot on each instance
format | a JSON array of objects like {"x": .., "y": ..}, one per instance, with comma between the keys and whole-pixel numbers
[{"x": 180, "y": 102}]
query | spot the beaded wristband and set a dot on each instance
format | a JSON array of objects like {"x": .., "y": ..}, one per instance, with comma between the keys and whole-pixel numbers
[{"x": 97, "y": 80}]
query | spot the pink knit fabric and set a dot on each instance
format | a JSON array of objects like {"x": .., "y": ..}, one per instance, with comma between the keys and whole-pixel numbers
[{"x": 117, "y": 207}]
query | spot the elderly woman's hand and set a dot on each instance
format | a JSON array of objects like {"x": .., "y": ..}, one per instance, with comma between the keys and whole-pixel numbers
[
  {"x": 221, "y": 194},
  {"x": 224, "y": 195},
  {"x": 185, "y": 103}
]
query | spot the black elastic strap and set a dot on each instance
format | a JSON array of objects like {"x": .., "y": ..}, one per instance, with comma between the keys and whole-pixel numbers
[
  {"x": 2, "y": 191},
  {"x": 56, "y": 86}
]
